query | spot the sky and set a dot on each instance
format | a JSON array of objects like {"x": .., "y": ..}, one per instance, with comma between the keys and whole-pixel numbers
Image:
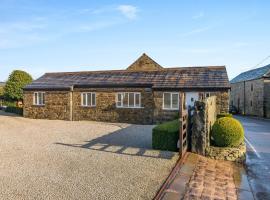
[{"x": 41, "y": 36}]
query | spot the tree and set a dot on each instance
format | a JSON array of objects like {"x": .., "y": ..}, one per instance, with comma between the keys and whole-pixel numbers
[
  {"x": 1, "y": 91},
  {"x": 13, "y": 89}
]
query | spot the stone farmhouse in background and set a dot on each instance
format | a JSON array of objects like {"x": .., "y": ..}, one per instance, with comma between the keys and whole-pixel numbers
[
  {"x": 143, "y": 93},
  {"x": 250, "y": 92}
]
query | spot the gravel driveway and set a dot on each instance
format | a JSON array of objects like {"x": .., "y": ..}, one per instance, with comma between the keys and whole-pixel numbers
[{"x": 43, "y": 159}]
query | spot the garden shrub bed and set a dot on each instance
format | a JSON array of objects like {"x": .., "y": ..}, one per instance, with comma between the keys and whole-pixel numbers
[
  {"x": 13, "y": 109},
  {"x": 165, "y": 136}
]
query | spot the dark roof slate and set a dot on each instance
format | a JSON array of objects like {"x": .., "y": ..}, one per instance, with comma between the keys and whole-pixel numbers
[
  {"x": 252, "y": 74},
  {"x": 184, "y": 77}
]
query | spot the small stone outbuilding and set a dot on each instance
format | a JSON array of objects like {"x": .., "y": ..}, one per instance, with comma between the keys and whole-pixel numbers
[
  {"x": 250, "y": 92},
  {"x": 144, "y": 93}
]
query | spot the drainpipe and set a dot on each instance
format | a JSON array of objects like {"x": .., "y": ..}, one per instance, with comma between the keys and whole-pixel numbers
[{"x": 71, "y": 104}]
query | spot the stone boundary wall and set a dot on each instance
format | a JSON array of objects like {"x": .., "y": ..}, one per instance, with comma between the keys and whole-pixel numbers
[
  {"x": 204, "y": 117},
  {"x": 237, "y": 154}
]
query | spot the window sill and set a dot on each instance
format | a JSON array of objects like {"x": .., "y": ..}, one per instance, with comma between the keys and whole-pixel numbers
[
  {"x": 43, "y": 105},
  {"x": 131, "y": 107},
  {"x": 171, "y": 109},
  {"x": 87, "y": 106}
]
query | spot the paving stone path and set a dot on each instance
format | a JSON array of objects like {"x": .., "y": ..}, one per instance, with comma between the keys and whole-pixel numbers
[
  {"x": 212, "y": 180},
  {"x": 203, "y": 178}
]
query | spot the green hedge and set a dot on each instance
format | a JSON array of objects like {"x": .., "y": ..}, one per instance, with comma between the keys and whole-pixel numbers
[
  {"x": 13, "y": 109},
  {"x": 227, "y": 132},
  {"x": 224, "y": 115},
  {"x": 165, "y": 136}
]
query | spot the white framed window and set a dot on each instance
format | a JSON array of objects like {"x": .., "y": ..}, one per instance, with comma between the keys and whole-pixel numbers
[
  {"x": 207, "y": 94},
  {"x": 128, "y": 100},
  {"x": 39, "y": 98},
  {"x": 171, "y": 101},
  {"x": 88, "y": 99}
]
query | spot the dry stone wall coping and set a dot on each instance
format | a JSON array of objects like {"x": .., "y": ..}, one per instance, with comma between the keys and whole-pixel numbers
[{"x": 237, "y": 154}]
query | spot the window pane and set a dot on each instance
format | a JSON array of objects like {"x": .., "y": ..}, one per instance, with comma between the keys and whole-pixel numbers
[
  {"x": 125, "y": 100},
  {"x": 84, "y": 99},
  {"x": 137, "y": 100},
  {"x": 167, "y": 100},
  {"x": 131, "y": 100},
  {"x": 119, "y": 99},
  {"x": 43, "y": 98},
  {"x": 36, "y": 99},
  {"x": 175, "y": 101},
  {"x": 39, "y": 98},
  {"x": 88, "y": 99},
  {"x": 93, "y": 99}
]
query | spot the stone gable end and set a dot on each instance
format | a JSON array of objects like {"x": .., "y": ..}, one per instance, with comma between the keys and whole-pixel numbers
[{"x": 144, "y": 63}]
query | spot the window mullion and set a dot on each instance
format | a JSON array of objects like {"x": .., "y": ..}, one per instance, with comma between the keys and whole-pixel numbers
[{"x": 171, "y": 100}]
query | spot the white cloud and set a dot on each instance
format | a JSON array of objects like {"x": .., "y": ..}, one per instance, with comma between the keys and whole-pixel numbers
[
  {"x": 128, "y": 11},
  {"x": 199, "y": 15},
  {"x": 195, "y": 31}
]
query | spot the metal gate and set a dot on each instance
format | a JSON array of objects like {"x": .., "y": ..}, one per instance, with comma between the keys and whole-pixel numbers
[{"x": 183, "y": 128}]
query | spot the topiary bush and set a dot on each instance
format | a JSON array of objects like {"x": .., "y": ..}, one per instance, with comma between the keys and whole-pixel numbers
[
  {"x": 227, "y": 132},
  {"x": 224, "y": 115},
  {"x": 165, "y": 136}
]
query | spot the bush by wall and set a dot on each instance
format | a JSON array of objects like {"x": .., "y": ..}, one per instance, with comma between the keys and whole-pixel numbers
[
  {"x": 165, "y": 136},
  {"x": 224, "y": 115},
  {"x": 13, "y": 109},
  {"x": 227, "y": 132}
]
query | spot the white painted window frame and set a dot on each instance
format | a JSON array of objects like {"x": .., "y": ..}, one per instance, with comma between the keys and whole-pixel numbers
[
  {"x": 171, "y": 94},
  {"x": 122, "y": 100},
  {"x": 39, "y": 102},
  {"x": 86, "y": 100}
]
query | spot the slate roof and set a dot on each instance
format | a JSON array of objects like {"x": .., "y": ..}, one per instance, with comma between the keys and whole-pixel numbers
[
  {"x": 252, "y": 74},
  {"x": 184, "y": 77}
]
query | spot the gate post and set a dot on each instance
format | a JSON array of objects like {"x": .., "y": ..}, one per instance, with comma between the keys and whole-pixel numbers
[{"x": 183, "y": 124}]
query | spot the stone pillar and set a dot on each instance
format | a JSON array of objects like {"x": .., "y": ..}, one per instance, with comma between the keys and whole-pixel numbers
[{"x": 199, "y": 131}]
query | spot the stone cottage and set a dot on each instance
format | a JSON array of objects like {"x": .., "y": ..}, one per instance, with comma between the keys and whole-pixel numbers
[
  {"x": 250, "y": 92},
  {"x": 144, "y": 93}
]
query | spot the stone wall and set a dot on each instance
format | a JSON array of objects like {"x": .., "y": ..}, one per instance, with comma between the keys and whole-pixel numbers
[
  {"x": 237, "y": 154},
  {"x": 222, "y": 101},
  {"x": 106, "y": 110},
  {"x": 237, "y": 96},
  {"x": 254, "y": 98},
  {"x": 267, "y": 98},
  {"x": 247, "y": 100},
  {"x": 66, "y": 105},
  {"x": 57, "y": 106}
]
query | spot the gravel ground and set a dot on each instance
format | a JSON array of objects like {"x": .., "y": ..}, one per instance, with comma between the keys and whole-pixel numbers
[{"x": 43, "y": 159}]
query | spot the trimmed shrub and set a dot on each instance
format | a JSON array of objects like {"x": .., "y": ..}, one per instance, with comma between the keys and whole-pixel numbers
[
  {"x": 13, "y": 109},
  {"x": 227, "y": 132},
  {"x": 165, "y": 136},
  {"x": 224, "y": 115}
]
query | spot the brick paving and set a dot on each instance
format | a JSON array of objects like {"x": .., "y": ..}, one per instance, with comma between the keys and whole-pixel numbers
[
  {"x": 212, "y": 180},
  {"x": 207, "y": 179}
]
